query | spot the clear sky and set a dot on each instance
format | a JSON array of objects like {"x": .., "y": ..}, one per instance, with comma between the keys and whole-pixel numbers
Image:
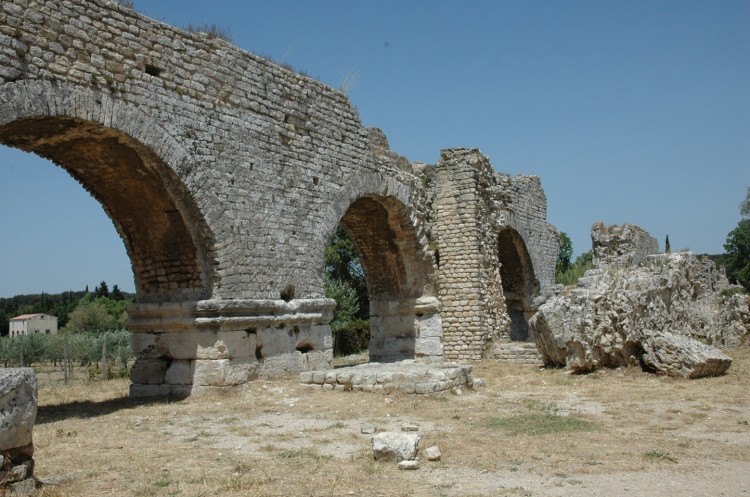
[{"x": 629, "y": 111}]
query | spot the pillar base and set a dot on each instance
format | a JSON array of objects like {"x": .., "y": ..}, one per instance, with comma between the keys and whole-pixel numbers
[{"x": 187, "y": 347}]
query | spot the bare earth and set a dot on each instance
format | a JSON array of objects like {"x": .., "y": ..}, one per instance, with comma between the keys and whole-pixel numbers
[{"x": 529, "y": 432}]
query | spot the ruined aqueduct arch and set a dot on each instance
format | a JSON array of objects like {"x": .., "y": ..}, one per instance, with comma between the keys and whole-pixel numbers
[{"x": 226, "y": 175}]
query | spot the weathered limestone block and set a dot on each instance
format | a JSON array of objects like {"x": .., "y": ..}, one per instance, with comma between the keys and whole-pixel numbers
[
  {"x": 179, "y": 372},
  {"x": 395, "y": 446},
  {"x": 433, "y": 453},
  {"x": 18, "y": 406},
  {"x": 680, "y": 356},
  {"x": 149, "y": 371},
  {"x": 621, "y": 245},
  {"x": 639, "y": 315}
]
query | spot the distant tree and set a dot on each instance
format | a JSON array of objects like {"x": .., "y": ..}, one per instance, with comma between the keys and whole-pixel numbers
[
  {"x": 578, "y": 268},
  {"x": 91, "y": 316},
  {"x": 745, "y": 205},
  {"x": 738, "y": 254},
  {"x": 667, "y": 247},
  {"x": 565, "y": 253},
  {"x": 116, "y": 293},
  {"x": 102, "y": 290},
  {"x": 342, "y": 264}
]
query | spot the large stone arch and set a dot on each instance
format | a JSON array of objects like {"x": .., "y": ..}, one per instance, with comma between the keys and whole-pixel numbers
[
  {"x": 132, "y": 166},
  {"x": 404, "y": 312},
  {"x": 519, "y": 282}
]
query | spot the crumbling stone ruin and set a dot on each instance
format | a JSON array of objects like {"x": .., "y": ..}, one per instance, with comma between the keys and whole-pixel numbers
[
  {"x": 621, "y": 245},
  {"x": 18, "y": 406},
  {"x": 661, "y": 314},
  {"x": 226, "y": 176}
]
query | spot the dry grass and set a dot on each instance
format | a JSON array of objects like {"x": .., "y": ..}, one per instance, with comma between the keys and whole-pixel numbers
[{"x": 529, "y": 432}]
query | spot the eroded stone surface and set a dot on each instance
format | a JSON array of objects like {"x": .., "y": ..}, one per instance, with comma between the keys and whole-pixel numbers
[
  {"x": 647, "y": 314},
  {"x": 18, "y": 406},
  {"x": 226, "y": 175},
  {"x": 395, "y": 446},
  {"x": 405, "y": 376}
]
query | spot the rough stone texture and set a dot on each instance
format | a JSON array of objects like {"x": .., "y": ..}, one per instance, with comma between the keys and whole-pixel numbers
[
  {"x": 18, "y": 407},
  {"x": 408, "y": 465},
  {"x": 642, "y": 315},
  {"x": 405, "y": 377},
  {"x": 226, "y": 176},
  {"x": 496, "y": 252},
  {"x": 395, "y": 446},
  {"x": 518, "y": 352},
  {"x": 681, "y": 356},
  {"x": 621, "y": 245},
  {"x": 433, "y": 453}
]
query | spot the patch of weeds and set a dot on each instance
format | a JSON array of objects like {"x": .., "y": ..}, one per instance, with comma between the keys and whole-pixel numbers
[
  {"x": 735, "y": 290},
  {"x": 538, "y": 405},
  {"x": 338, "y": 424},
  {"x": 162, "y": 482},
  {"x": 742, "y": 422},
  {"x": 211, "y": 30},
  {"x": 303, "y": 453},
  {"x": 660, "y": 455},
  {"x": 239, "y": 466},
  {"x": 539, "y": 424},
  {"x": 233, "y": 484}
]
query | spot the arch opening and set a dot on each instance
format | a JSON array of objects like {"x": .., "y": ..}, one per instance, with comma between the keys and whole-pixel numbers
[
  {"x": 520, "y": 286},
  {"x": 404, "y": 317},
  {"x": 150, "y": 208}
]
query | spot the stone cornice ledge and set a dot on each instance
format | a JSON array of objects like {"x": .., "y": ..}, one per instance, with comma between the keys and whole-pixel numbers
[{"x": 236, "y": 314}]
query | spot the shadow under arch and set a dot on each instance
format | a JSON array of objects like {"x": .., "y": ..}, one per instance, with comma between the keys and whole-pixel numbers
[
  {"x": 520, "y": 285},
  {"x": 164, "y": 233},
  {"x": 404, "y": 315}
]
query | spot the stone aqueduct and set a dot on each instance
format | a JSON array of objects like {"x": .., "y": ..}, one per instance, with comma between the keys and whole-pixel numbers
[{"x": 226, "y": 175}]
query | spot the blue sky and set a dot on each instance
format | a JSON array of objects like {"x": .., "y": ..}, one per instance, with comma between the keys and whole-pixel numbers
[{"x": 629, "y": 111}]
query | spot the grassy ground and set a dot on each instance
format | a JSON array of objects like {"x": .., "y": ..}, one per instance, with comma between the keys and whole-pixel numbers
[{"x": 529, "y": 432}]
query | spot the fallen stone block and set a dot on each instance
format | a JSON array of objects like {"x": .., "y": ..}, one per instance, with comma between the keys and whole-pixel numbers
[
  {"x": 681, "y": 356},
  {"x": 408, "y": 465},
  {"x": 18, "y": 408},
  {"x": 433, "y": 453},
  {"x": 18, "y": 405},
  {"x": 395, "y": 446}
]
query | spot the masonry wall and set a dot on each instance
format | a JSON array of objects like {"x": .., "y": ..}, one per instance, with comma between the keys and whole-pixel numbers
[
  {"x": 270, "y": 160},
  {"x": 625, "y": 244},
  {"x": 522, "y": 205},
  {"x": 226, "y": 176}
]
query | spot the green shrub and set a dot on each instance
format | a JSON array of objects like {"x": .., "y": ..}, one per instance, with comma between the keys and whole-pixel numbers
[
  {"x": 575, "y": 271},
  {"x": 350, "y": 337}
]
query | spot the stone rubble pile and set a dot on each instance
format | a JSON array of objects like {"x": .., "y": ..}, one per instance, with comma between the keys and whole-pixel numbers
[
  {"x": 402, "y": 447},
  {"x": 648, "y": 315}
]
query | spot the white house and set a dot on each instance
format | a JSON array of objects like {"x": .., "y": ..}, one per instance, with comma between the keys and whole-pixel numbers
[{"x": 30, "y": 324}]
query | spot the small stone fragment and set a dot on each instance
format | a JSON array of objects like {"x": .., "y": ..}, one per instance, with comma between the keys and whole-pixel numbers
[
  {"x": 22, "y": 488},
  {"x": 409, "y": 427},
  {"x": 433, "y": 453},
  {"x": 479, "y": 383},
  {"x": 408, "y": 465},
  {"x": 367, "y": 428}
]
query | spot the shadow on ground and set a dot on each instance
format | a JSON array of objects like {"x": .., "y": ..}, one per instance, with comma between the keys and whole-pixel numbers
[{"x": 88, "y": 409}]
